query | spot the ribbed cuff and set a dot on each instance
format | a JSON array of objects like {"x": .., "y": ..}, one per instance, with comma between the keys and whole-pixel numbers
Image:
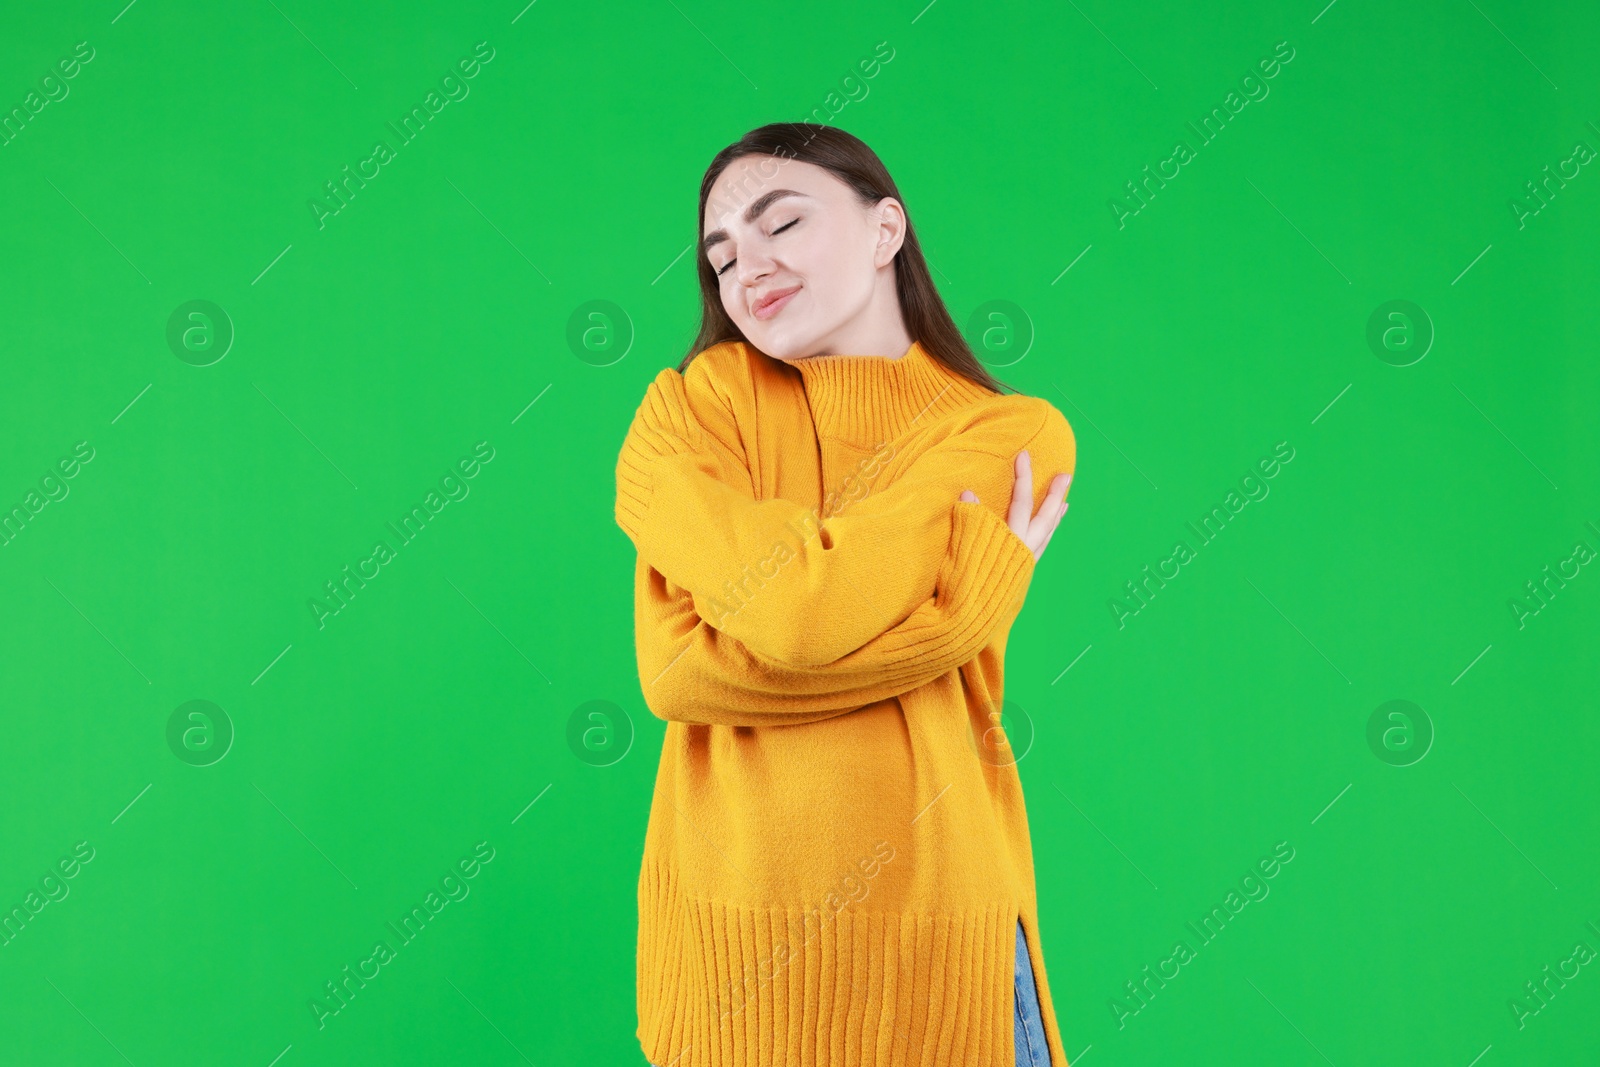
[
  {"x": 988, "y": 567},
  {"x": 661, "y": 427}
]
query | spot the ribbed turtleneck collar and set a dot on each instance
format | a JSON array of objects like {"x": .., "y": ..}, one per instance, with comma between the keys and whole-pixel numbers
[{"x": 868, "y": 401}]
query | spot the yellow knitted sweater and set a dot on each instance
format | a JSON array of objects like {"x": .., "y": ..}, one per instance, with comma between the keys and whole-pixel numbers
[{"x": 837, "y": 853}]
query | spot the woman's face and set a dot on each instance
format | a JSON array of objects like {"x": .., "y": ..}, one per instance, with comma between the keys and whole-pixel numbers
[{"x": 803, "y": 268}]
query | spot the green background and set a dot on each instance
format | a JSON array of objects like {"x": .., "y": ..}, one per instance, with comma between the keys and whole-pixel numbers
[{"x": 432, "y": 713}]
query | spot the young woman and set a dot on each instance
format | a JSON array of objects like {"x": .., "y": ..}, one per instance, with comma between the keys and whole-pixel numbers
[{"x": 833, "y": 503}]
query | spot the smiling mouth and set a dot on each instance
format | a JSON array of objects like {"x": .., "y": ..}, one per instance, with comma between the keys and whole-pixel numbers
[{"x": 773, "y": 303}]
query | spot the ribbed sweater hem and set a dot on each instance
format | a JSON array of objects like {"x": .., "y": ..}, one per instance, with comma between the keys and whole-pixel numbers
[{"x": 855, "y": 988}]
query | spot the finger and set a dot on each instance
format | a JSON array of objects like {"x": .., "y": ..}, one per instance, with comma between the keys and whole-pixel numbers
[
  {"x": 1066, "y": 483},
  {"x": 969, "y": 496},
  {"x": 1061, "y": 506},
  {"x": 1051, "y": 532},
  {"x": 1058, "y": 493},
  {"x": 1049, "y": 512},
  {"x": 1064, "y": 506},
  {"x": 1021, "y": 514},
  {"x": 1038, "y": 553}
]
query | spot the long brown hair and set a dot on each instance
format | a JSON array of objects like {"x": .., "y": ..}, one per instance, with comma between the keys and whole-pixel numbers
[{"x": 852, "y": 162}]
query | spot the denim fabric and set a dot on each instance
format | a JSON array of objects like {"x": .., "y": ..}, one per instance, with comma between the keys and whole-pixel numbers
[{"x": 1032, "y": 1051}]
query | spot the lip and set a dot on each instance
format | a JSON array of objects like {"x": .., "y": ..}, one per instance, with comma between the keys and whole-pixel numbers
[{"x": 773, "y": 302}]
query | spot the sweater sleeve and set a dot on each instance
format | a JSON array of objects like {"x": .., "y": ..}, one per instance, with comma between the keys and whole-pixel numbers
[
  {"x": 792, "y": 585},
  {"x": 692, "y": 672}
]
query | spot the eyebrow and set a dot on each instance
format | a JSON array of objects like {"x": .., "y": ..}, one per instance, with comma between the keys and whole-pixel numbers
[{"x": 751, "y": 213}]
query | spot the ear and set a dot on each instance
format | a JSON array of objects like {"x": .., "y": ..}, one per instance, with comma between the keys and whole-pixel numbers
[{"x": 890, "y": 219}]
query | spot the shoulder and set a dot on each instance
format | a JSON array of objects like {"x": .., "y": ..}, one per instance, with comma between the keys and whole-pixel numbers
[
  {"x": 713, "y": 375},
  {"x": 712, "y": 396},
  {"x": 1054, "y": 438},
  {"x": 1004, "y": 424},
  {"x": 723, "y": 368},
  {"x": 718, "y": 384}
]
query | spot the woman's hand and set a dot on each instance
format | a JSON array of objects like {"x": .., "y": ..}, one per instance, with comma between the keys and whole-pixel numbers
[{"x": 1035, "y": 530}]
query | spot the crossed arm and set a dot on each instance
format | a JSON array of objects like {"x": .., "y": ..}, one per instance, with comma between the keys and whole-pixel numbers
[{"x": 901, "y": 587}]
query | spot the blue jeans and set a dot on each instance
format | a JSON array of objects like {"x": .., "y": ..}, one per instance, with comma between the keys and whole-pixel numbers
[{"x": 1032, "y": 1051}]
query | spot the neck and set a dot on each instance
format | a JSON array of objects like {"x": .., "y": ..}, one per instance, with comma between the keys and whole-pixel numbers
[
  {"x": 889, "y": 341},
  {"x": 879, "y": 329}
]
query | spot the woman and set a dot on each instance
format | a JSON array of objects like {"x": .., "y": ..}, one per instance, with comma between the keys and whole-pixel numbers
[{"x": 833, "y": 505}]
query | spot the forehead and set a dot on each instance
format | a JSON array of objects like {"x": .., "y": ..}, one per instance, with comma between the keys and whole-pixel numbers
[{"x": 747, "y": 178}]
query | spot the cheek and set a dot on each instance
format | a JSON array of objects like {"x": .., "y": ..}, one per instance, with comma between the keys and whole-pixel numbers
[
  {"x": 816, "y": 254},
  {"x": 841, "y": 277},
  {"x": 843, "y": 259},
  {"x": 732, "y": 302}
]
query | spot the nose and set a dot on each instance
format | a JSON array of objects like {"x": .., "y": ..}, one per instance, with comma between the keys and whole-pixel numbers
[{"x": 753, "y": 266}]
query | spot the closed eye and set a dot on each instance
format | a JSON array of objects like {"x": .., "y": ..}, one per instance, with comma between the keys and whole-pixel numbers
[{"x": 726, "y": 266}]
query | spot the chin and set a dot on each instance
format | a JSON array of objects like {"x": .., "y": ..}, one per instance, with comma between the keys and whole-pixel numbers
[{"x": 780, "y": 344}]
